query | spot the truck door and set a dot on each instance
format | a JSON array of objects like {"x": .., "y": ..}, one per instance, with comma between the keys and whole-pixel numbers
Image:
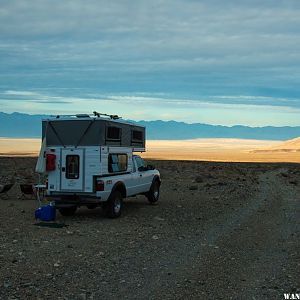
[
  {"x": 143, "y": 177},
  {"x": 72, "y": 169}
]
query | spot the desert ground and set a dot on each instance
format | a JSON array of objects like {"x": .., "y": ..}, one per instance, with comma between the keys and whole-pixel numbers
[
  {"x": 231, "y": 150},
  {"x": 219, "y": 231}
]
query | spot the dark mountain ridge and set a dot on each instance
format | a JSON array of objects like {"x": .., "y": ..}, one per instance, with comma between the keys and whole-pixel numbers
[{"x": 20, "y": 125}]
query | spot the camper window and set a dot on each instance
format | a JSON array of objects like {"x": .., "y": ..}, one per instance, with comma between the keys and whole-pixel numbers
[
  {"x": 137, "y": 136},
  {"x": 117, "y": 163},
  {"x": 113, "y": 133},
  {"x": 72, "y": 166}
]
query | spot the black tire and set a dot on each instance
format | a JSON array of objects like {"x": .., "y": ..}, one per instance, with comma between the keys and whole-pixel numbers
[
  {"x": 113, "y": 206},
  {"x": 153, "y": 194},
  {"x": 68, "y": 211}
]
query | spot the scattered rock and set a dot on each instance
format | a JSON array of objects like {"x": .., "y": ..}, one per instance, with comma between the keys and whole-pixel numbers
[
  {"x": 198, "y": 179},
  {"x": 294, "y": 182},
  {"x": 155, "y": 237},
  {"x": 193, "y": 187},
  {"x": 26, "y": 284},
  {"x": 82, "y": 296},
  {"x": 7, "y": 284}
]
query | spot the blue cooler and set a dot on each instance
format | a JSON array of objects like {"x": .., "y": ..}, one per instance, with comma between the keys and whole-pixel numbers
[{"x": 46, "y": 213}]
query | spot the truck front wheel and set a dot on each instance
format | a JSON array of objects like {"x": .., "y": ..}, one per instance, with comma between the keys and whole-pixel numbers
[
  {"x": 114, "y": 205},
  {"x": 153, "y": 194}
]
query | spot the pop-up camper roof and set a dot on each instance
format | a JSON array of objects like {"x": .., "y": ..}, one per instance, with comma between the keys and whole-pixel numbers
[{"x": 95, "y": 130}]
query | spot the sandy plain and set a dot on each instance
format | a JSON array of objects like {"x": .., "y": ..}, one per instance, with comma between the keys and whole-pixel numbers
[{"x": 230, "y": 150}]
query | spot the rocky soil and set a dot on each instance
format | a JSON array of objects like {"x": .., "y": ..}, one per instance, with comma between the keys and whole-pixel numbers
[{"x": 219, "y": 231}]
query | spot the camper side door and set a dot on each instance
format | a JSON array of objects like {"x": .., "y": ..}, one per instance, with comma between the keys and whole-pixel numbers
[{"x": 72, "y": 169}]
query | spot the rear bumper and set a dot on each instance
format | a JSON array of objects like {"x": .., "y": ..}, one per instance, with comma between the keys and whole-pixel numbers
[{"x": 73, "y": 200}]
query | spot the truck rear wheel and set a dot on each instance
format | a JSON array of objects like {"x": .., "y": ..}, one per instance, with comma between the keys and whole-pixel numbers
[
  {"x": 113, "y": 207},
  {"x": 153, "y": 194},
  {"x": 68, "y": 211}
]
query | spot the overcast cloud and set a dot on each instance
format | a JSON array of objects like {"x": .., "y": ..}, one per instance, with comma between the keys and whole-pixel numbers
[{"x": 222, "y": 53}]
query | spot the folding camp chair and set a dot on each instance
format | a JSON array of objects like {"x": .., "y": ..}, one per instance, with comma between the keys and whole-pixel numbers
[
  {"x": 39, "y": 192},
  {"x": 27, "y": 191},
  {"x": 5, "y": 188}
]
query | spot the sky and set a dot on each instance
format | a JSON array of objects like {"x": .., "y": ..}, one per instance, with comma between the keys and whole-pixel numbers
[{"x": 217, "y": 62}]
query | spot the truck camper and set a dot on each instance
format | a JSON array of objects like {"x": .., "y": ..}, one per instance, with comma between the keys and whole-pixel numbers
[{"x": 90, "y": 161}]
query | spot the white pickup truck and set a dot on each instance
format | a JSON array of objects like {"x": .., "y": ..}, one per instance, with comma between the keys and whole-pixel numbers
[
  {"x": 89, "y": 161},
  {"x": 110, "y": 189}
]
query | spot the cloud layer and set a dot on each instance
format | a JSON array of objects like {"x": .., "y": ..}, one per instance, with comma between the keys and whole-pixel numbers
[{"x": 215, "y": 52}]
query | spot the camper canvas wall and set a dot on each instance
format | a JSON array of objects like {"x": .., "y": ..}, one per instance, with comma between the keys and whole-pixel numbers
[{"x": 90, "y": 131}]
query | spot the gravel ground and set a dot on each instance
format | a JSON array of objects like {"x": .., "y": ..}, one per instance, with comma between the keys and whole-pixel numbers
[{"x": 219, "y": 231}]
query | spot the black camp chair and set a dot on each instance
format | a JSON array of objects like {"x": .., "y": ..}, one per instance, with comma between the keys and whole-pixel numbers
[
  {"x": 5, "y": 188},
  {"x": 27, "y": 191}
]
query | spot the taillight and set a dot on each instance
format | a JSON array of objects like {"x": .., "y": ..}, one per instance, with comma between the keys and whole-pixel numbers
[
  {"x": 50, "y": 162},
  {"x": 99, "y": 185}
]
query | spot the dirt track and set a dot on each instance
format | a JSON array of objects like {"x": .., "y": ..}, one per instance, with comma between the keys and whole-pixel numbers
[{"x": 220, "y": 231}]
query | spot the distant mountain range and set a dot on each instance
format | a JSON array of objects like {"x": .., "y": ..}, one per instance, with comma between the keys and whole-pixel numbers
[{"x": 21, "y": 125}]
